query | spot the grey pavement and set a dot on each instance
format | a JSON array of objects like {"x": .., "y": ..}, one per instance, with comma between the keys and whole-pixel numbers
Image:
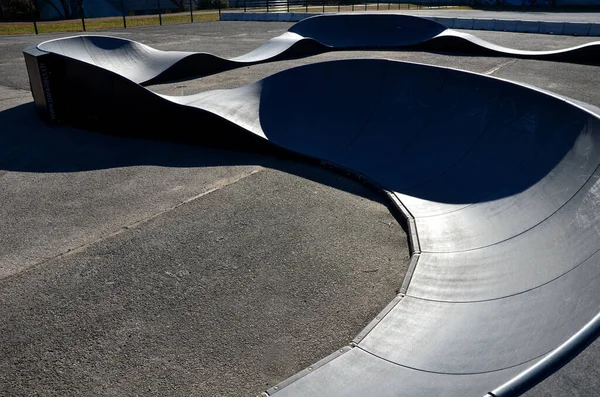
[{"x": 134, "y": 267}]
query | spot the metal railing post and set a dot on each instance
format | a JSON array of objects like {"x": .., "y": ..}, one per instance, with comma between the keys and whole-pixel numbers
[
  {"x": 288, "y": 5},
  {"x": 244, "y": 5},
  {"x": 34, "y": 16},
  {"x": 159, "y": 14},
  {"x": 219, "y": 9},
  {"x": 82, "y": 17},
  {"x": 191, "y": 12},
  {"x": 267, "y": 5},
  {"x": 123, "y": 12}
]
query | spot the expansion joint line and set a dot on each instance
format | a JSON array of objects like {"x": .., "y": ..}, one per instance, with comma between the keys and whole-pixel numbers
[
  {"x": 218, "y": 185},
  {"x": 495, "y": 69}
]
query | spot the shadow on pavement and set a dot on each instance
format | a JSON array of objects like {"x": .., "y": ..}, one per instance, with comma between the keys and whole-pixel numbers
[{"x": 27, "y": 144}]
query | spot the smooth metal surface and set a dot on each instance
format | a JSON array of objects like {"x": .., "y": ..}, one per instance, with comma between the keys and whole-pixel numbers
[{"x": 500, "y": 180}]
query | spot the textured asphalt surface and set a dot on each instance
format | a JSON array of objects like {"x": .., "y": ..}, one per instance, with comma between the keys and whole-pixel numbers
[{"x": 132, "y": 267}]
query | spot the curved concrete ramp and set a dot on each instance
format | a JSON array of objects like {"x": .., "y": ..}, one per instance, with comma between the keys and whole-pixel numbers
[
  {"x": 145, "y": 65},
  {"x": 499, "y": 182}
]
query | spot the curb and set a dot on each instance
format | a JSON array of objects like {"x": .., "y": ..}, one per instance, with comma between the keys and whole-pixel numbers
[{"x": 498, "y": 25}]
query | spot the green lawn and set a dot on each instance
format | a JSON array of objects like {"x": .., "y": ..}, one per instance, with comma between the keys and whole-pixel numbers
[{"x": 102, "y": 23}]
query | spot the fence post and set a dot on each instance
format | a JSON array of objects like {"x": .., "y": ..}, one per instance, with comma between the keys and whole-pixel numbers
[
  {"x": 267, "y": 5},
  {"x": 82, "y": 17},
  {"x": 323, "y": 6},
  {"x": 159, "y": 14},
  {"x": 123, "y": 12},
  {"x": 191, "y": 12},
  {"x": 352, "y": 5},
  {"x": 33, "y": 14},
  {"x": 366, "y": 2},
  {"x": 288, "y": 5},
  {"x": 306, "y": 5},
  {"x": 219, "y": 9},
  {"x": 339, "y": 5}
]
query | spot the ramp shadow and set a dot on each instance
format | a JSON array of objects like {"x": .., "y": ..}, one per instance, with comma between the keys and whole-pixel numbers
[
  {"x": 437, "y": 134},
  {"x": 29, "y": 145}
]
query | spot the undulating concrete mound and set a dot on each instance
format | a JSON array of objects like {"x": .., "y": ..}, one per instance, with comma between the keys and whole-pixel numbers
[{"x": 145, "y": 65}]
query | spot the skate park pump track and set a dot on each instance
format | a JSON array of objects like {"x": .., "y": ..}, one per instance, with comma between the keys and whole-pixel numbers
[{"x": 498, "y": 182}]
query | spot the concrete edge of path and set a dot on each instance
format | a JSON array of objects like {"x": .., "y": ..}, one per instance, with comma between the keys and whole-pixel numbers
[{"x": 499, "y": 25}]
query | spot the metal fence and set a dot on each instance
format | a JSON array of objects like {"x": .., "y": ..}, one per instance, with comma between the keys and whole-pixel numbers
[
  {"x": 29, "y": 13},
  {"x": 159, "y": 16},
  {"x": 188, "y": 11},
  {"x": 347, "y": 5}
]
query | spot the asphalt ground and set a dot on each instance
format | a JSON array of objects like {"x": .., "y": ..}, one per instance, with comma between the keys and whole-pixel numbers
[{"x": 133, "y": 267}]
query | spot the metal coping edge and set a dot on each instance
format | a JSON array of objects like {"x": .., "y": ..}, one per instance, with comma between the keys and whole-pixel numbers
[
  {"x": 366, "y": 330},
  {"x": 395, "y": 205},
  {"x": 413, "y": 236},
  {"x": 409, "y": 273},
  {"x": 306, "y": 371},
  {"x": 551, "y": 363}
]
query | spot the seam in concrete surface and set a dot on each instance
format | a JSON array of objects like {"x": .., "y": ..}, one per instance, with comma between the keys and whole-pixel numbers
[
  {"x": 218, "y": 185},
  {"x": 456, "y": 373},
  {"x": 388, "y": 308},
  {"x": 8, "y": 93},
  {"x": 495, "y": 69},
  {"x": 499, "y": 25}
]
